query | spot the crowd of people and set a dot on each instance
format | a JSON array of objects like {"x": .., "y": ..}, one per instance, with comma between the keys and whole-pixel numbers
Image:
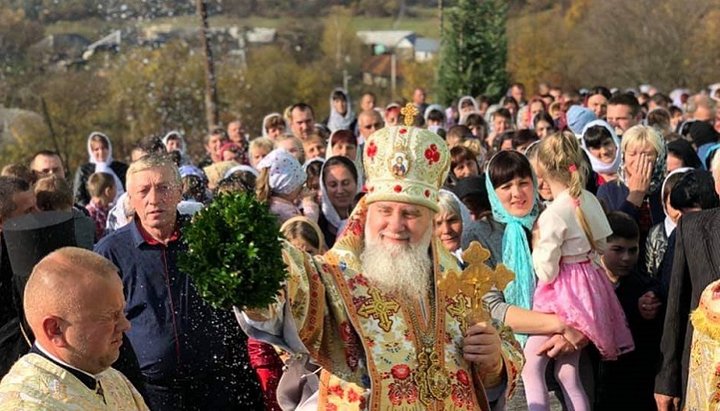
[{"x": 603, "y": 203}]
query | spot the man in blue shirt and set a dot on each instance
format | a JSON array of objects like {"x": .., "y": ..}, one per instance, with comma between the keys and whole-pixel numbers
[{"x": 188, "y": 354}]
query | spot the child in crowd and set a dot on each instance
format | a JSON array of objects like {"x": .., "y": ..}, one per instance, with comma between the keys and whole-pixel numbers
[
  {"x": 304, "y": 234},
  {"x": 569, "y": 233},
  {"x": 102, "y": 190},
  {"x": 629, "y": 382},
  {"x": 259, "y": 148},
  {"x": 280, "y": 184}
]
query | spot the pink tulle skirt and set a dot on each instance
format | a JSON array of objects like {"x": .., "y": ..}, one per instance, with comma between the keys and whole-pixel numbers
[{"x": 583, "y": 297}]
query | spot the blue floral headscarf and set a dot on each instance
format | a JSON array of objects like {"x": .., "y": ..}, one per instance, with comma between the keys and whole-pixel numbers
[{"x": 516, "y": 254}]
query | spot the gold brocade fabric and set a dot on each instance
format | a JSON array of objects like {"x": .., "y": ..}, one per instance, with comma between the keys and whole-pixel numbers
[
  {"x": 35, "y": 383},
  {"x": 373, "y": 354},
  {"x": 703, "y": 387}
]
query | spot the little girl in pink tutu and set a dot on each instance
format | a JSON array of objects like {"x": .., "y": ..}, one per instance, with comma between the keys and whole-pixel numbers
[{"x": 571, "y": 232}]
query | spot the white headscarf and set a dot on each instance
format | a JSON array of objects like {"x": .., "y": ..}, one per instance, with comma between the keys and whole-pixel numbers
[
  {"x": 431, "y": 107},
  {"x": 286, "y": 174},
  {"x": 328, "y": 209},
  {"x": 476, "y": 108},
  {"x": 184, "y": 160},
  {"x": 597, "y": 165},
  {"x": 104, "y": 167},
  {"x": 241, "y": 167},
  {"x": 464, "y": 216},
  {"x": 337, "y": 121},
  {"x": 118, "y": 214},
  {"x": 269, "y": 116}
]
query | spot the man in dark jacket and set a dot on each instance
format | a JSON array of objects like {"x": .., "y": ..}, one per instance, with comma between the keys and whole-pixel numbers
[
  {"x": 16, "y": 199},
  {"x": 187, "y": 353},
  {"x": 692, "y": 266}
]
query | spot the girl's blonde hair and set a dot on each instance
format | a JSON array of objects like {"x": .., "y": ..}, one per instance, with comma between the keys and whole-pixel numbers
[
  {"x": 561, "y": 160},
  {"x": 262, "y": 185},
  {"x": 261, "y": 143}
]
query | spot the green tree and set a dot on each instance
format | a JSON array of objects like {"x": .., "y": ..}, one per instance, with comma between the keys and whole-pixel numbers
[{"x": 474, "y": 50}]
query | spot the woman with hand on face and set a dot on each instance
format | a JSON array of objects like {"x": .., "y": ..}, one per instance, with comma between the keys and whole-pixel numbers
[
  {"x": 338, "y": 186},
  {"x": 637, "y": 190}
]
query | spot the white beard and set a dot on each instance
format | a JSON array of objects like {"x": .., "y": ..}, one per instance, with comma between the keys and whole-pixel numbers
[{"x": 398, "y": 268}]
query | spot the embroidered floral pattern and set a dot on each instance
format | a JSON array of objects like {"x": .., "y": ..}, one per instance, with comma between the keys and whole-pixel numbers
[
  {"x": 402, "y": 389},
  {"x": 371, "y": 150},
  {"x": 432, "y": 154}
]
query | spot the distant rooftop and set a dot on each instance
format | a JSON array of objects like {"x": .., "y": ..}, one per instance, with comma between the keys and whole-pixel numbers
[{"x": 386, "y": 38}]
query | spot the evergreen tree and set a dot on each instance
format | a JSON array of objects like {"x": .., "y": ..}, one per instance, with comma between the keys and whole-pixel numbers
[{"x": 474, "y": 50}]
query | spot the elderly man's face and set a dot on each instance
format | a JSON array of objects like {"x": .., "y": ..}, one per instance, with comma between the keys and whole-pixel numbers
[
  {"x": 398, "y": 223},
  {"x": 369, "y": 123},
  {"x": 45, "y": 165},
  {"x": 154, "y": 195},
  {"x": 94, "y": 331}
]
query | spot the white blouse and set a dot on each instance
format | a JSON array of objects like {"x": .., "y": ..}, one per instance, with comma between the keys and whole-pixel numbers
[{"x": 561, "y": 235}]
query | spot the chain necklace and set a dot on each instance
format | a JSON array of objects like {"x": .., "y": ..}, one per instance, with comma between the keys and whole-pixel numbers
[{"x": 431, "y": 378}]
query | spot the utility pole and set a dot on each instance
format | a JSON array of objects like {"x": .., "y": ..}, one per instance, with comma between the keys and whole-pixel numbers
[
  {"x": 211, "y": 106},
  {"x": 440, "y": 16}
]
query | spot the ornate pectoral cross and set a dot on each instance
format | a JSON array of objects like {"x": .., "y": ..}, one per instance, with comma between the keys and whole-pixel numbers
[
  {"x": 379, "y": 308},
  {"x": 474, "y": 282}
]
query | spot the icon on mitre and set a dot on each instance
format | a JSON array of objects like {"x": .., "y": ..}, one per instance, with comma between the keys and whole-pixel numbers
[{"x": 399, "y": 166}]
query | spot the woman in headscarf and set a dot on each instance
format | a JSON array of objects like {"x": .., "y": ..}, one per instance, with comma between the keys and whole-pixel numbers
[
  {"x": 338, "y": 187},
  {"x": 174, "y": 141},
  {"x": 637, "y": 190},
  {"x": 466, "y": 106},
  {"x": 449, "y": 222},
  {"x": 273, "y": 126},
  {"x": 100, "y": 159},
  {"x": 506, "y": 233},
  {"x": 657, "y": 239},
  {"x": 341, "y": 114},
  {"x": 603, "y": 149}
]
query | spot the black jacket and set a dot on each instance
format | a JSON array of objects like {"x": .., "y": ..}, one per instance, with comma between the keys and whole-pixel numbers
[{"x": 695, "y": 265}]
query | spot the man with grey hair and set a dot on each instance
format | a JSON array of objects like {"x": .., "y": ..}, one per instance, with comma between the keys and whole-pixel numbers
[
  {"x": 701, "y": 107},
  {"x": 74, "y": 303},
  {"x": 177, "y": 338}
]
